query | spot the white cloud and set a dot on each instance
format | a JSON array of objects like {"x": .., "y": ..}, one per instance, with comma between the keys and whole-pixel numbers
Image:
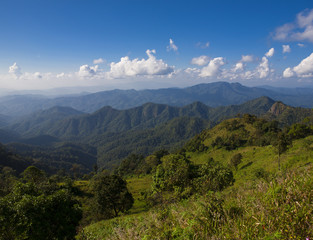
[
  {"x": 270, "y": 52},
  {"x": 15, "y": 70},
  {"x": 37, "y": 75},
  {"x": 239, "y": 67},
  {"x": 303, "y": 69},
  {"x": 200, "y": 61},
  {"x": 288, "y": 73},
  {"x": 263, "y": 69},
  {"x": 212, "y": 68},
  {"x": 246, "y": 58},
  {"x": 300, "y": 29},
  {"x": 60, "y": 75},
  {"x": 192, "y": 70},
  {"x": 286, "y": 49},
  {"x": 87, "y": 71},
  {"x": 300, "y": 44},
  {"x": 128, "y": 68},
  {"x": 172, "y": 46},
  {"x": 98, "y": 61}
]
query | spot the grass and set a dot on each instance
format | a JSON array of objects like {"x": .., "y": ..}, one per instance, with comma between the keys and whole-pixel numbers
[
  {"x": 253, "y": 197},
  {"x": 137, "y": 185}
]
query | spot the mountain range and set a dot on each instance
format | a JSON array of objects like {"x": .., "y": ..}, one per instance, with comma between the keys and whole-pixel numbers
[
  {"x": 212, "y": 94},
  {"x": 144, "y": 129}
]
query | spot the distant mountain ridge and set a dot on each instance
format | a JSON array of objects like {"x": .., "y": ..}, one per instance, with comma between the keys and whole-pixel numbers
[
  {"x": 67, "y": 123},
  {"x": 212, "y": 94},
  {"x": 144, "y": 129}
]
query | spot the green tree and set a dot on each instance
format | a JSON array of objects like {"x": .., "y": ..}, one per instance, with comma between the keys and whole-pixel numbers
[
  {"x": 236, "y": 160},
  {"x": 34, "y": 175},
  {"x": 174, "y": 172},
  {"x": 111, "y": 195},
  {"x": 213, "y": 176},
  {"x": 30, "y": 213},
  {"x": 281, "y": 145}
]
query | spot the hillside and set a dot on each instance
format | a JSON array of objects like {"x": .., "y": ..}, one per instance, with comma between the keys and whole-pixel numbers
[
  {"x": 211, "y": 94},
  {"x": 265, "y": 201}
]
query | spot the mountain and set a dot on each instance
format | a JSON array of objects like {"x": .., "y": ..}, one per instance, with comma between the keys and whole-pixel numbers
[
  {"x": 72, "y": 125},
  {"x": 37, "y": 123},
  {"x": 117, "y": 133},
  {"x": 211, "y": 94}
]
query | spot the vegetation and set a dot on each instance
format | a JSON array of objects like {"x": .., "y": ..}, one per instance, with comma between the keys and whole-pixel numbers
[
  {"x": 111, "y": 196},
  {"x": 38, "y": 209},
  {"x": 223, "y": 183},
  {"x": 195, "y": 197}
]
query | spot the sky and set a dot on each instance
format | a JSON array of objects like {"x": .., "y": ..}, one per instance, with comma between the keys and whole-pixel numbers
[{"x": 108, "y": 44}]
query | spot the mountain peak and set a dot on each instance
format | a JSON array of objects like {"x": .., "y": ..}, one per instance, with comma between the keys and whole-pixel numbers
[{"x": 277, "y": 108}]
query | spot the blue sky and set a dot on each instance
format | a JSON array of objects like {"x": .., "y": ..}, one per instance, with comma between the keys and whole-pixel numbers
[{"x": 154, "y": 44}]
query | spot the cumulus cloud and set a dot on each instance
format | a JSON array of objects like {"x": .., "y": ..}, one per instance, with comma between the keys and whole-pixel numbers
[
  {"x": 300, "y": 29},
  {"x": 200, "y": 61},
  {"x": 300, "y": 44},
  {"x": 263, "y": 69},
  {"x": 212, "y": 68},
  {"x": 15, "y": 70},
  {"x": 270, "y": 52},
  {"x": 172, "y": 46},
  {"x": 286, "y": 49},
  {"x": 239, "y": 67},
  {"x": 246, "y": 58},
  {"x": 303, "y": 69},
  {"x": 128, "y": 68},
  {"x": 98, "y": 61},
  {"x": 288, "y": 73},
  {"x": 87, "y": 71}
]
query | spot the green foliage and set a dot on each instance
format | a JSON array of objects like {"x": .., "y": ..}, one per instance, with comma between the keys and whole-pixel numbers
[
  {"x": 212, "y": 176},
  {"x": 298, "y": 131},
  {"x": 236, "y": 160},
  {"x": 30, "y": 212},
  {"x": 33, "y": 175},
  {"x": 174, "y": 172},
  {"x": 111, "y": 196},
  {"x": 133, "y": 164},
  {"x": 178, "y": 175}
]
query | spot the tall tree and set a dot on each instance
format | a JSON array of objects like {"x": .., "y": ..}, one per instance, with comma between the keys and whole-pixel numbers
[{"x": 111, "y": 195}]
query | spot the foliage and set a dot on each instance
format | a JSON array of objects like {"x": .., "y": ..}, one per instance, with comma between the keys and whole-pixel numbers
[
  {"x": 236, "y": 160},
  {"x": 212, "y": 176},
  {"x": 32, "y": 212},
  {"x": 179, "y": 175},
  {"x": 111, "y": 196}
]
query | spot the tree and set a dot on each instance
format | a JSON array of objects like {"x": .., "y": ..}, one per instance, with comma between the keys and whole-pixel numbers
[
  {"x": 174, "y": 172},
  {"x": 236, "y": 160},
  {"x": 34, "y": 175},
  {"x": 213, "y": 176},
  {"x": 111, "y": 195},
  {"x": 281, "y": 144},
  {"x": 28, "y": 212}
]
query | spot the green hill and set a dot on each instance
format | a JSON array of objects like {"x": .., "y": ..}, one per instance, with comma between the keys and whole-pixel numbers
[{"x": 265, "y": 202}]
